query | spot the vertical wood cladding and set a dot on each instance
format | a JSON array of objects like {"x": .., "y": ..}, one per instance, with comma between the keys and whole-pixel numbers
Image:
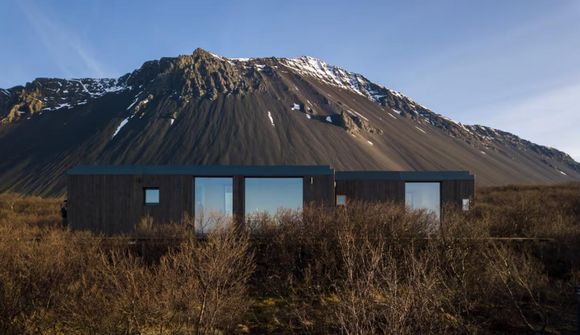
[
  {"x": 454, "y": 191},
  {"x": 372, "y": 190},
  {"x": 115, "y": 203},
  {"x": 318, "y": 190},
  {"x": 239, "y": 194}
]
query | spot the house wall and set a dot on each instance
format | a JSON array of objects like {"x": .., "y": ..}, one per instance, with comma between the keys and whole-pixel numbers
[
  {"x": 452, "y": 191},
  {"x": 239, "y": 202},
  {"x": 115, "y": 203},
  {"x": 319, "y": 191},
  {"x": 372, "y": 190}
]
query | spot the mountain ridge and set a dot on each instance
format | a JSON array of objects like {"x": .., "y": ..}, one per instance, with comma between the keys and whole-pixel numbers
[{"x": 187, "y": 86}]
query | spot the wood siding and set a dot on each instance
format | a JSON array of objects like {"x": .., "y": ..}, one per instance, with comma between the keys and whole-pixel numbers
[
  {"x": 452, "y": 191},
  {"x": 115, "y": 203},
  {"x": 319, "y": 191},
  {"x": 371, "y": 190},
  {"x": 239, "y": 194}
]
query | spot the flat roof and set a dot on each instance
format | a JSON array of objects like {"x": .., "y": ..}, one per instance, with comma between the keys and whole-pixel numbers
[
  {"x": 404, "y": 175},
  {"x": 204, "y": 170},
  {"x": 267, "y": 171}
]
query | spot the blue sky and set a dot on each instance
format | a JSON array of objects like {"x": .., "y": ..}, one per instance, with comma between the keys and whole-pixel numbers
[{"x": 513, "y": 65}]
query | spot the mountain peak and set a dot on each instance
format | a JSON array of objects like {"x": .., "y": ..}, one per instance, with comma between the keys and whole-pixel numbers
[
  {"x": 202, "y": 52},
  {"x": 199, "y": 50}
]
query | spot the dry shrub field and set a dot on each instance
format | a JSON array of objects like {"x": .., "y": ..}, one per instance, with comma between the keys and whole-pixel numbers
[{"x": 508, "y": 266}]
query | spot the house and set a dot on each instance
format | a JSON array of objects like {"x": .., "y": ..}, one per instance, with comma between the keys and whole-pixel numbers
[{"x": 113, "y": 199}]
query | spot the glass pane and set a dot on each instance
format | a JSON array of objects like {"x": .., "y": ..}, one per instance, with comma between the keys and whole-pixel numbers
[
  {"x": 151, "y": 195},
  {"x": 213, "y": 202},
  {"x": 465, "y": 204},
  {"x": 423, "y": 196},
  {"x": 268, "y": 195}
]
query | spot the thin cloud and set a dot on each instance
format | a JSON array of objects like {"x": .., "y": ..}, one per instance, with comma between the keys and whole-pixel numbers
[
  {"x": 551, "y": 118},
  {"x": 67, "y": 50}
]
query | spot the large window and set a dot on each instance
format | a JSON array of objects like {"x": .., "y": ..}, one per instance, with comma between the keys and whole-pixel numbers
[
  {"x": 424, "y": 196},
  {"x": 213, "y": 202},
  {"x": 268, "y": 195},
  {"x": 151, "y": 195}
]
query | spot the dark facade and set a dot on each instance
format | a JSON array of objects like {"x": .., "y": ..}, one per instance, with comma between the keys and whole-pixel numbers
[
  {"x": 380, "y": 186},
  {"x": 112, "y": 199}
]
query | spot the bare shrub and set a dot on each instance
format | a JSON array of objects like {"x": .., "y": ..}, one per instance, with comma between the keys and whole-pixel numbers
[
  {"x": 112, "y": 297},
  {"x": 205, "y": 282},
  {"x": 363, "y": 268},
  {"x": 359, "y": 269},
  {"x": 58, "y": 281},
  {"x": 147, "y": 228},
  {"x": 388, "y": 285},
  {"x": 519, "y": 279},
  {"x": 35, "y": 274}
]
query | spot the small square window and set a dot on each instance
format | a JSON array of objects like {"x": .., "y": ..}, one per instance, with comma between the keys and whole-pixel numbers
[
  {"x": 340, "y": 200},
  {"x": 465, "y": 205},
  {"x": 151, "y": 195}
]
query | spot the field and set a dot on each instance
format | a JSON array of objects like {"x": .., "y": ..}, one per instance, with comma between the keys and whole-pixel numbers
[{"x": 510, "y": 265}]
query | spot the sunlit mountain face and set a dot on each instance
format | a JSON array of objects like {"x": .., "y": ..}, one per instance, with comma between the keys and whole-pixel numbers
[{"x": 207, "y": 109}]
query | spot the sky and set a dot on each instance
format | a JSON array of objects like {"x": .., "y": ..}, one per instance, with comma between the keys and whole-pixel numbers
[{"x": 512, "y": 65}]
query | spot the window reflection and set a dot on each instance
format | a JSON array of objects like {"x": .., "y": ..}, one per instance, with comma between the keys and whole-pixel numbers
[
  {"x": 424, "y": 196},
  {"x": 213, "y": 202},
  {"x": 268, "y": 195},
  {"x": 151, "y": 195}
]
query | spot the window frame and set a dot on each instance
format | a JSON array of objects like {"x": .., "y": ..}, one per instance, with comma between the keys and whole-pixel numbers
[
  {"x": 440, "y": 210},
  {"x": 151, "y": 188},
  {"x": 466, "y": 204},
  {"x": 337, "y": 202},
  {"x": 245, "y": 202},
  {"x": 200, "y": 230}
]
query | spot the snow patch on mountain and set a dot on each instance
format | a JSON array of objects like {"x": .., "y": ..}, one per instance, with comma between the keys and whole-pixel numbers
[
  {"x": 134, "y": 101},
  {"x": 121, "y": 125},
  {"x": 337, "y": 76},
  {"x": 271, "y": 119}
]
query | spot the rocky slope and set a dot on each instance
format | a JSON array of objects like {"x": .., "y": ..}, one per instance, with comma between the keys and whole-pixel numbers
[{"x": 206, "y": 109}]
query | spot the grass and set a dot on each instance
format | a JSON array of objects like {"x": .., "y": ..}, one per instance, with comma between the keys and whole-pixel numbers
[{"x": 508, "y": 266}]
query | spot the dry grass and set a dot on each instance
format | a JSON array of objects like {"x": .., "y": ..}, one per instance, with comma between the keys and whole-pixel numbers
[
  {"x": 368, "y": 268},
  {"x": 57, "y": 281}
]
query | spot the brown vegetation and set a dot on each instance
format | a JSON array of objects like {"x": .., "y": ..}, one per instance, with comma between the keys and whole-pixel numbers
[{"x": 507, "y": 266}]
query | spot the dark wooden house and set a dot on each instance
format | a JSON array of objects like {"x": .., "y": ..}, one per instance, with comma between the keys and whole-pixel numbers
[
  {"x": 429, "y": 190},
  {"x": 113, "y": 199}
]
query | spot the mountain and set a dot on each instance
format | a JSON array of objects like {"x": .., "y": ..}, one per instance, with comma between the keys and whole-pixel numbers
[{"x": 207, "y": 109}]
